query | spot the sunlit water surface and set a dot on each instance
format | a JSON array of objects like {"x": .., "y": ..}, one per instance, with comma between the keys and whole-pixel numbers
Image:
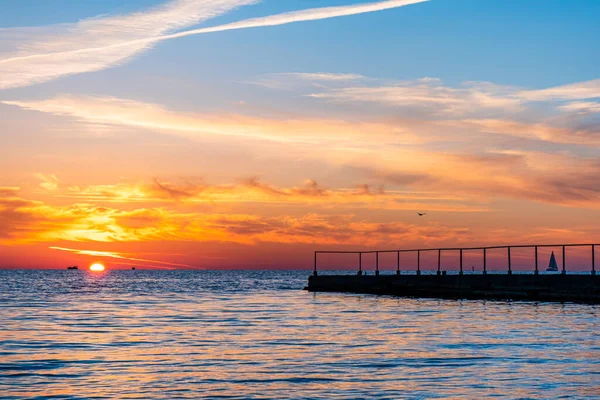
[{"x": 147, "y": 334}]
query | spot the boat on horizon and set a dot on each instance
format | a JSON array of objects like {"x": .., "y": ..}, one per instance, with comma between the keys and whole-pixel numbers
[
  {"x": 552, "y": 266},
  {"x": 73, "y": 267}
]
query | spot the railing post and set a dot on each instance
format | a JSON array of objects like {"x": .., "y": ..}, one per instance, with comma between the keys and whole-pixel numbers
[
  {"x": 315, "y": 268},
  {"x": 461, "y": 262},
  {"x": 439, "y": 271},
  {"x": 484, "y": 261},
  {"x": 359, "y": 263},
  {"x": 398, "y": 264},
  {"x": 536, "y": 261},
  {"x": 564, "y": 267},
  {"x": 376, "y": 263},
  {"x": 509, "y": 266},
  {"x": 418, "y": 262},
  {"x": 593, "y": 261}
]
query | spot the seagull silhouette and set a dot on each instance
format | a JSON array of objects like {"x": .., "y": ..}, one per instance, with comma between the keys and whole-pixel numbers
[{"x": 421, "y": 214}]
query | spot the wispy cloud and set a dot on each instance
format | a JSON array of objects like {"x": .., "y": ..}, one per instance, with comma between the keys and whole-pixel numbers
[
  {"x": 292, "y": 80},
  {"x": 111, "y": 110},
  {"x": 95, "y": 44},
  {"x": 322, "y": 76},
  {"x": 566, "y": 180},
  {"x": 47, "y": 53},
  {"x": 574, "y": 91},
  {"x": 346, "y": 134},
  {"x": 588, "y": 136},
  {"x": 48, "y": 182},
  {"x": 560, "y": 114},
  {"x": 582, "y": 107},
  {"x": 470, "y": 98},
  {"x": 430, "y": 95}
]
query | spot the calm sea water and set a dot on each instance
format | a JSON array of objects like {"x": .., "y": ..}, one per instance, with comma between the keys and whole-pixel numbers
[{"x": 172, "y": 334}]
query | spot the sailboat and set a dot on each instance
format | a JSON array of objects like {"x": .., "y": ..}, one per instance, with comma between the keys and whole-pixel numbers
[{"x": 552, "y": 266}]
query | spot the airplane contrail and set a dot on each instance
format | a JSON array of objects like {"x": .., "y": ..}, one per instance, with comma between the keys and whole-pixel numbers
[{"x": 312, "y": 14}]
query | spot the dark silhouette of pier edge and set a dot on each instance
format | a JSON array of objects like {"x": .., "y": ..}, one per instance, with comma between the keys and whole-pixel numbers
[{"x": 553, "y": 287}]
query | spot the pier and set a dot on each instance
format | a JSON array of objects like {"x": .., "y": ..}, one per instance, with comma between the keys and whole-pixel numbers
[{"x": 507, "y": 284}]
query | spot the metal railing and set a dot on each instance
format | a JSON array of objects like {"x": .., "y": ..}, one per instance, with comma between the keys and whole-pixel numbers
[{"x": 461, "y": 250}]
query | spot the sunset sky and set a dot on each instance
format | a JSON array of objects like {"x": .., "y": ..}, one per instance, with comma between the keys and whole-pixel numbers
[{"x": 248, "y": 133}]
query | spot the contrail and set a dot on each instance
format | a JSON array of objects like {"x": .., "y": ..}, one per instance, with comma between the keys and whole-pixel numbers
[{"x": 312, "y": 14}]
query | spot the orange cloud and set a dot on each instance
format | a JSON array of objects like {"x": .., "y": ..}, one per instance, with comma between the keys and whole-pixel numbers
[
  {"x": 225, "y": 239},
  {"x": 557, "y": 178},
  {"x": 26, "y": 221},
  {"x": 253, "y": 190}
]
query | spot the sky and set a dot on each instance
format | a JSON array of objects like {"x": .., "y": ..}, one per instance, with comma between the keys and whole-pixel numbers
[{"x": 205, "y": 134}]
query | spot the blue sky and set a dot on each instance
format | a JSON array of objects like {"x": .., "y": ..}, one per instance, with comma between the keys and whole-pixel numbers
[
  {"x": 530, "y": 44},
  {"x": 533, "y": 43}
]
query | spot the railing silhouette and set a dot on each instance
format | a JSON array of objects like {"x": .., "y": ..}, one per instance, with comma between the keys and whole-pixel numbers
[{"x": 461, "y": 250}]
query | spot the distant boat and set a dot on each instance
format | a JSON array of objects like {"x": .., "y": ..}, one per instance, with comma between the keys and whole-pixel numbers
[
  {"x": 73, "y": 267},
  {"x": 553, "y": 266}
]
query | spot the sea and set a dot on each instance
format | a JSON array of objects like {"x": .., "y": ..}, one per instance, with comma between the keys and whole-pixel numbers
[{"x": 259, "y": 335}]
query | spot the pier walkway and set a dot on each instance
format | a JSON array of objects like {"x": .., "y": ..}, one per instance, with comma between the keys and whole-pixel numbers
[{"x": 563, "y": 286}]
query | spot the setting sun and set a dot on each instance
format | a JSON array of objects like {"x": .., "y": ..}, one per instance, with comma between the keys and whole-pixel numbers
[{"x": 97, "y": 267}]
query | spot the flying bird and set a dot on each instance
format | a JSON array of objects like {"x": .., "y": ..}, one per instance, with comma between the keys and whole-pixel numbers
[{"x": 421, "y": 214}]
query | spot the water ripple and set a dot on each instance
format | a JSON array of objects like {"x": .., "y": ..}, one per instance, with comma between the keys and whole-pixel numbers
[{"x": 254, "y": 334}]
